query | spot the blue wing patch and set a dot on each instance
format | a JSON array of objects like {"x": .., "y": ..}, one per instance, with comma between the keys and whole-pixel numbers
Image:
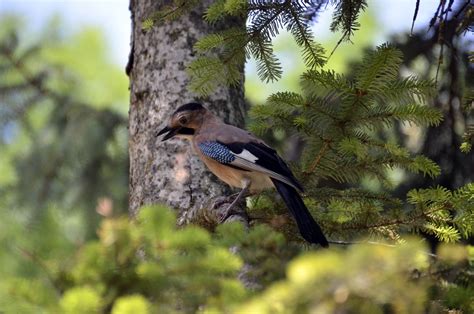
[{"x": 217, "y": 151}]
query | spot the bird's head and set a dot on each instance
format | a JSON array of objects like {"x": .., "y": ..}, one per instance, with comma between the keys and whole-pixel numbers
[{"x": 184, "y": 121}]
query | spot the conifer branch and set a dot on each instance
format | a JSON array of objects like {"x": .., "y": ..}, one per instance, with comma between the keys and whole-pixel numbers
[{"x": 317, "y": 160}]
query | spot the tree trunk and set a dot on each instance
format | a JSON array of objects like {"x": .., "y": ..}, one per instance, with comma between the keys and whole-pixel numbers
[{"x": 168, "y": 172}]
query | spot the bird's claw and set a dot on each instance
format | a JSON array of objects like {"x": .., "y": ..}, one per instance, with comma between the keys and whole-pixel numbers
[
  {"x": 218, "y": 202},
  {"x": 223, "y": 215}
]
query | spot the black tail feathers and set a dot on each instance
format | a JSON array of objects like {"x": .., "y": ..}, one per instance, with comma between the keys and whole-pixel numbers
[{"x": 309, "y": 228}]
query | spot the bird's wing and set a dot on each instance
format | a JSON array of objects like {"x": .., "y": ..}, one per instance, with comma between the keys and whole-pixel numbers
[{"x": 251, "y": 156}]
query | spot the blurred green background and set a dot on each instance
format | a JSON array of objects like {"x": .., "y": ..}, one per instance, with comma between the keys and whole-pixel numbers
[{"x": 63, "y": 116}]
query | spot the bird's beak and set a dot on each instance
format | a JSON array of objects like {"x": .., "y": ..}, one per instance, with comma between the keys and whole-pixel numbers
[{"x": 171, "y": 132}]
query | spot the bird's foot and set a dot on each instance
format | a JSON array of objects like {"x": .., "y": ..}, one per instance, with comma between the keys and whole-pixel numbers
[
  {"x": 230, "y": 210},
  {"x": 221, "y": 205},
  {"x": 233, "y": 201},
  {"x": 226, "y": 213},
  {"x": 221, "y": 200}
]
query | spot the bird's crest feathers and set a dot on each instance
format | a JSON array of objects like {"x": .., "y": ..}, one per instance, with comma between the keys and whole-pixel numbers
[{"x": 192, "y": 106}]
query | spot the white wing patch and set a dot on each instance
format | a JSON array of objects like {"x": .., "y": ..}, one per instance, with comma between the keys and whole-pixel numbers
[{"x": 245, "y": 154}]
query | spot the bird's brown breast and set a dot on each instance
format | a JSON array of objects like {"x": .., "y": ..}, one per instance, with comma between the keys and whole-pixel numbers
[{"x": 236, "y": 177}]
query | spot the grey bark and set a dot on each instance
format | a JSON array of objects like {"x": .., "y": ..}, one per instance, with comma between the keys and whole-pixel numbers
[{"x": 168, "y": 172}]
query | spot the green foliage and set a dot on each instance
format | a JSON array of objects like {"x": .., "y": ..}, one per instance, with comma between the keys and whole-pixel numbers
[
  {"x": 468, "y": 108},
  {"x": 265, "y": 20},
  {"x": 264, "y": 252},
  {"x": 459, "y": 297},
  {"x": 377, "y": 279},
  {"x": 212, "y": 71},
  {"x": 169, "y": 12},
  {"x": 346, "y": 15},
  {"x": 468, "y": 139},
  {"x": 177, "y": 269},
  {"x": 63, "y": 139},
  {"x": 437, "y": 203},
  {"x": 80, "y": 300},
  {"x": 149, "y": 266},
  {"x": 131, "y": 305},
  {"x": 343, "y": 121}
]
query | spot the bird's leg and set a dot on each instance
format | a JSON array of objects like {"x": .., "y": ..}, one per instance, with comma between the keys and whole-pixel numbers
[
  {"x": 219, "y": 201},
  {"x": 228, "y": 211}
]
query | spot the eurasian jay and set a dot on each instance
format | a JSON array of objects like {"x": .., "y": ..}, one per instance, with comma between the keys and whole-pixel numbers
[{"x": 241, "y": 160}]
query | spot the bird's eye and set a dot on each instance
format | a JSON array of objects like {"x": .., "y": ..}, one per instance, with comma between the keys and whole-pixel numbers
[{"x": 183, "y": 120}]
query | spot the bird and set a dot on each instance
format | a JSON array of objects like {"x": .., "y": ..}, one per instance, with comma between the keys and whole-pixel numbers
[{"x": 241, "y": 160}]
